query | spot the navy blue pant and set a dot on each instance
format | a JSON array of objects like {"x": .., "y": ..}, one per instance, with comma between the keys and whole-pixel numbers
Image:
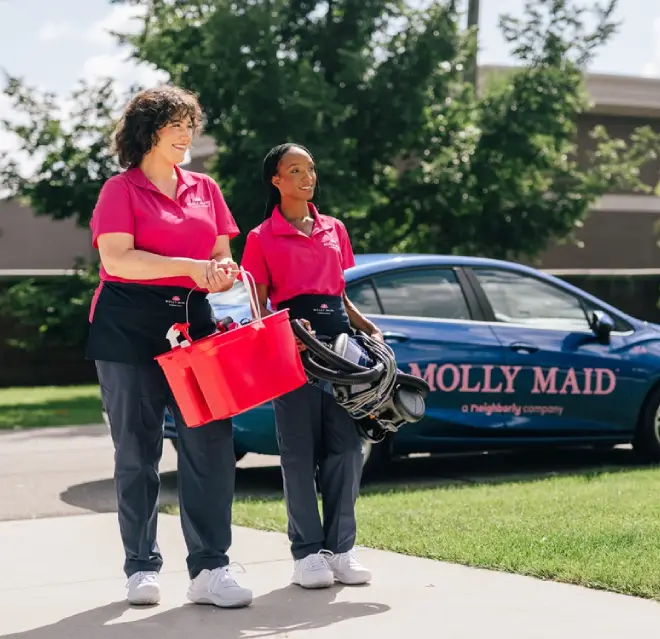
[
  {"x": 135, "y": 398},
  {"x": 315, "y": 434}
]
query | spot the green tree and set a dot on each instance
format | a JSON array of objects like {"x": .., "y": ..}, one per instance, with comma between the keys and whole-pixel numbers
[
  {"x": 406, "y": 151},
  {"x": 51, "y": 311},
  {"x": 350, "y": 79},
  {"x": 498, "y": 174},
  {"x": 69, "y": 153},
  {"x": 69, "y": 160}
]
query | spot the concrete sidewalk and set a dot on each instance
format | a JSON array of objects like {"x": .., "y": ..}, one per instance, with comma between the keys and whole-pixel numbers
[{"x": 61, "y": 578}]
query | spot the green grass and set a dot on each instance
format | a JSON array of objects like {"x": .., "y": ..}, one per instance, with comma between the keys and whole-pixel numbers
[
  {"x": 596, "y": 530},
  {"x": 49, "y": 406}
]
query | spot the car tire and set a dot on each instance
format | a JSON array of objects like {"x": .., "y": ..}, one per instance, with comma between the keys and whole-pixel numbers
[
  {"x": 375, "y": 457},
  {"x": 647, "y": 438}
]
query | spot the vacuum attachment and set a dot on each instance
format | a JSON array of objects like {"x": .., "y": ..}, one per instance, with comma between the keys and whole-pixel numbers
[{"x": 365, "y": 380}]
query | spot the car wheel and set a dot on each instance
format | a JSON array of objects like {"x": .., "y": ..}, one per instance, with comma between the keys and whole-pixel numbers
[
  {"x": 647, "y": 438},
  {"x": 375, "y": 456}
]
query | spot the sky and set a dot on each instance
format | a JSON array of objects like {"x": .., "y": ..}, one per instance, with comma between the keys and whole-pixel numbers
[{"x": 52, "y": 45}]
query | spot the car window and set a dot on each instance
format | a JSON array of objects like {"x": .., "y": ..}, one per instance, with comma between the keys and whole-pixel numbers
[
  {"x": 433, "y": 293},
  {"x": 363, "y": 295},
  {"x": 520, "y": 299}
]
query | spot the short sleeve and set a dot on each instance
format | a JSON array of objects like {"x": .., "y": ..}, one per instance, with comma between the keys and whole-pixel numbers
[
  {"x": 224, "y": 220},
  {"x": 347, "y": 257},
  {"x": 254, "y": 261},
  {"x": 113, "y": 212}
]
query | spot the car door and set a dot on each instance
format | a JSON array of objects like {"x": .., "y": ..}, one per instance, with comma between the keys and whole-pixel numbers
[
  {"x": 566, "y": 382},
  {"x": 426, "y": 315}
]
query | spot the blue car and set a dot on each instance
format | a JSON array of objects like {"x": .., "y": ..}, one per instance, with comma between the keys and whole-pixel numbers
[{"x": 514, "y": 358}]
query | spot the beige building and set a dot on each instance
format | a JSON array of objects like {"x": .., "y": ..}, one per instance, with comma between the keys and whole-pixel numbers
[{"x": 618, "y": 235}]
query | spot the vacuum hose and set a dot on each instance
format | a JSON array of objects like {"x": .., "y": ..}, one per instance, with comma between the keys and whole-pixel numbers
[{"x": 375, "y": 393}]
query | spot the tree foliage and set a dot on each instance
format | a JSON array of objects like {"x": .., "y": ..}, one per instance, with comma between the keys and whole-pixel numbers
[
  {"x": 51, "y": 311},
  {"x": 68, "y": 154},
  {"x": 407, "y": 153}
]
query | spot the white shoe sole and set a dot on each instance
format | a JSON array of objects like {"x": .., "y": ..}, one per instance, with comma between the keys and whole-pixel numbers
[
  {"x": 220, "y": 603},
  {"x": 146, "y": 597},
  {"x": 314, "y": 585}
]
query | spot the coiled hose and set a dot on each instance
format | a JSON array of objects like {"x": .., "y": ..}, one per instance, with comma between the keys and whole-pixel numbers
[{"x": 381, "y": 379}]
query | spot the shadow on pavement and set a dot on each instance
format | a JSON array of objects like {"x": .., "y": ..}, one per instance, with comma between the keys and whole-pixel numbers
[
  {"x": 100, "y": 497},
  {"x": 405, "y": 474},
  {"x": 287, "y": 610}
]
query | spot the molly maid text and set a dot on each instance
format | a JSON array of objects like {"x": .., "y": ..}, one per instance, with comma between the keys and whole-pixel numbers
[{"x": 485, "y": 378}]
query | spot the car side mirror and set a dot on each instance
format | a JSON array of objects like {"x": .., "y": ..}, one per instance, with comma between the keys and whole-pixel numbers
[{"x": 602, "y": 325}]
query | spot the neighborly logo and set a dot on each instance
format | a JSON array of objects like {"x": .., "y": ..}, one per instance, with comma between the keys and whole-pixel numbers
[
  {"x": 466, "y": 378},
  {"x": 324, "y": 307}
]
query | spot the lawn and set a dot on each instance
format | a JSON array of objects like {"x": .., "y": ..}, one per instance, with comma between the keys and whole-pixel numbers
[
  {"x": 596, "y": 530},
  {"x": 49, "y": 406}
]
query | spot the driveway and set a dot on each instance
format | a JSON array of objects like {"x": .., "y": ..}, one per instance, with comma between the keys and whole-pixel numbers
[{"x": 46, "y": 472}]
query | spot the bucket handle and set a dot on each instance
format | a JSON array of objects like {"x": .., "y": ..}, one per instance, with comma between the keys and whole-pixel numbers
[
  {"x": 181, "y": 328},
  {"x": 251, "y": 287}
]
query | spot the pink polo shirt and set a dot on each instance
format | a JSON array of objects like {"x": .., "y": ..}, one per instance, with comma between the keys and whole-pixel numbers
[
  {"x": 187, "y": 226},
  {"x": 290, "y": 263}
]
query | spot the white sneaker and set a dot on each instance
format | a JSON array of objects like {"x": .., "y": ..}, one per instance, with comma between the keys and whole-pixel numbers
[
  {"x": 219, "y": 588},
  {"x": 313, "y": 571},
  {"x": 143, "y": 588},
  {"x": 348, "y": 570}
]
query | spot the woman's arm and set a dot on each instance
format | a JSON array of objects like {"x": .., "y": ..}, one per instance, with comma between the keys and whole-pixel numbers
[
  {"x": 359, "y": 321},
  {"x": 120, "y": 258},
  {"x": 222, "y": 251}
]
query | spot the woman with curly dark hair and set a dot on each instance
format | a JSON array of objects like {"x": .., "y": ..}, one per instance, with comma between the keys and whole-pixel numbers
[{"x": 163, "y": 237}]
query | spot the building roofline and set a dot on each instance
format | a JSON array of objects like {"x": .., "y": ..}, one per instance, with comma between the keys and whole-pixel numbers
[{"x": 611, "y": 94}]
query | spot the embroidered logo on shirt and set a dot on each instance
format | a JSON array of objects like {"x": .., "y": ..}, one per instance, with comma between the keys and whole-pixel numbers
[
  {"x": 330, "y": 243},
  {"x": 195, "y": 200}
]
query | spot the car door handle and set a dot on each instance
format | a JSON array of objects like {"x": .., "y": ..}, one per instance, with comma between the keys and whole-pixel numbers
[
  {"x": 522, "y": 347},
  {"x": 390, "y": 336}
]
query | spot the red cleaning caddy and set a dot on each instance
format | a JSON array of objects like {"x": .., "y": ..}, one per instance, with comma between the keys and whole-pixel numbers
[{"x": 228, "y": 373}]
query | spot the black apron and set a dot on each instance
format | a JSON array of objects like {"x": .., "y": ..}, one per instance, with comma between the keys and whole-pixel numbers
[
  {"x": 131, "y": 321},
  {"x": 326, "y": 314}
]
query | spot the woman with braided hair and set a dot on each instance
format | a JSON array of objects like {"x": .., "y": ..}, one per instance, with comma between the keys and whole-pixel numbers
[{"x": 297, "y": 258}]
